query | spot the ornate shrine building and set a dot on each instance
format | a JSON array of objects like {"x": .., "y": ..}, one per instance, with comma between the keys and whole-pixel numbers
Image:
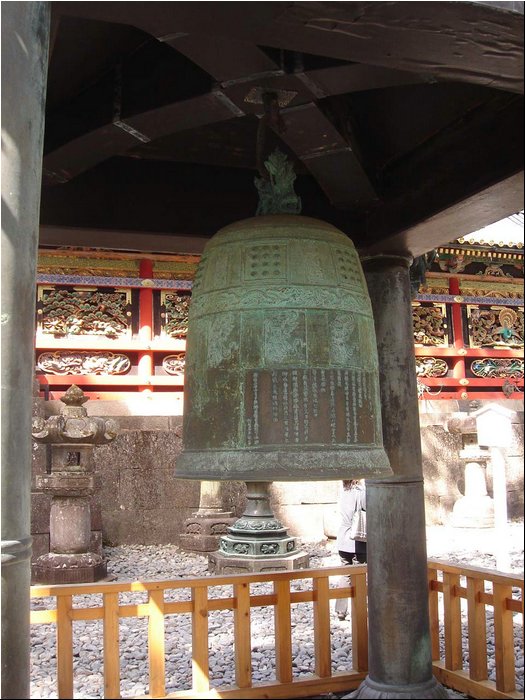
[
  {"x": 112, "y": 323},
  {"x": 468, "y": 320},
  {"x": 115, "y": 323}
]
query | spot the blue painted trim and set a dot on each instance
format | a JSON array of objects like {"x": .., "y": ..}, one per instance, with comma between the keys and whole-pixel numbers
[
  {"x": 114, "y": 282},
  {"x": 451, "y": 299}
]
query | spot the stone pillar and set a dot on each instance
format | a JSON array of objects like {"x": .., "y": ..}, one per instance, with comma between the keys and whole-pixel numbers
[
  {"x": 494, "y": 426},
  {"x": 257, "y": 541},
  {"x": 400, "y": 656},
  {"x": 25, "y": 34},
  {"x": 204, "y": 528},
  {"x": 72, "y": 436}
]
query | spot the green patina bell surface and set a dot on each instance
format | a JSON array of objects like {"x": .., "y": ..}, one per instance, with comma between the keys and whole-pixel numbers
[{"x": 281, "y": 378}]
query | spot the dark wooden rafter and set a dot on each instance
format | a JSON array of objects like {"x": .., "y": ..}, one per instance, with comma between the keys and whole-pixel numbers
[
  {"x": 239, "y": 69},
  {"x": 224, "y": 59},
  {"x": 463, "y": 41},
  {"x": 107, "y": 119},
  {"x": 328, "y": 156},
  {"x": 310, "y": 134},
  {"x": 124, "y": 133},
  {"x": 459, "y": 170},
  {"x": 481, "y": 209}
]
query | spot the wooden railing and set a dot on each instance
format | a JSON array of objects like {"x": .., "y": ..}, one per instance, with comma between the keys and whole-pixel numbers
[
  {"x": 199, "y": 597},
  {"x": 207, "y": 595},
  {"x": 458, "y": 629}
]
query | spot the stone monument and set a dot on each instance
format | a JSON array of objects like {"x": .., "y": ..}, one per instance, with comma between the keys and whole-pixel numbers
[
  {"x": 71, "y": 483},
  {"x": 475, "y": 508}
]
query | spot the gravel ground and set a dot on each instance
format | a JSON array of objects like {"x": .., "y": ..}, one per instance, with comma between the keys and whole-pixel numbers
[{"x": 127, "y": 563}]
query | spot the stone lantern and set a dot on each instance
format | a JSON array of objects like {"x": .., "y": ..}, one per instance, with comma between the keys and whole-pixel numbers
[
  {"x": 71, "y": 483},
  {"x": 475, "y": 508}
]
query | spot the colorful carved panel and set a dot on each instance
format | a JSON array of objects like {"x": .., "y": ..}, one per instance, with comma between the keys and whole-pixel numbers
[
  {"x": 66, "y": 311},
  {"x": 174, "y": 314},
  {"x": 174, "y": 364},
  {"x": 87, "y": 266},
  {"x": 68, "y": 362},
  {"x": 430, "y": 324},
  {"x": 433, "y": 285},
  {"x": 495, "y": 326},
  {"x": 510, "y": 368},
  {"x": 431, "y": 367},
  {"x": 183, "y": 269},
  {"x": 502, "y": 290}
]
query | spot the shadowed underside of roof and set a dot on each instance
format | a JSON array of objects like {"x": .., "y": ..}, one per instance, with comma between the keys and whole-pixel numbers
[{"x": 403, "y": 120}]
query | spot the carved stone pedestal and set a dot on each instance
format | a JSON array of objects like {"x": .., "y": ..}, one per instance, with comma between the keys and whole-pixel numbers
[
  {"x": 71, "y": 484},
  {"x": 257, "y": 541},
  {"x": 203, "y": 530}
]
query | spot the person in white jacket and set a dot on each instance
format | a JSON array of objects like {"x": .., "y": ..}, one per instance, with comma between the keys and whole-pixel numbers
[{"x": 352, "y": 498}]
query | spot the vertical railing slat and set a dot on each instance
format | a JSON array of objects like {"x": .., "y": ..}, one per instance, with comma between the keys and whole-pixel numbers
[
  {"x": 156, "y": 644},
  {"x": 111, "y": 646},
  {"x": 283, "y": 632},
  {"x": 65, "y": 646},
  {"x": 322, "y": 646},
  {"x": 503, "y": 639},
  {"x": 433, "y": 610},
  {"x": 200, "y": 662},
  {"x": 477, "y": 630},
  {"x": 359, "y": 623},
  {"x": 452, "y": 622},
  {"x": 243, "y": 638}
]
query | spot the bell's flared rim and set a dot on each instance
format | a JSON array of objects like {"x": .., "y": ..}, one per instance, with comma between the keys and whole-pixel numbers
[{"x": 299, "y": 464}]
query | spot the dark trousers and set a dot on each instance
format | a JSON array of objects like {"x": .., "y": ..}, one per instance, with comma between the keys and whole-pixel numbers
[{"x": 358, "y": 557}]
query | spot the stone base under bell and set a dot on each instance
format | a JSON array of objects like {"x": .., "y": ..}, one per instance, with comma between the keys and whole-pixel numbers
[
  {"x": 69, "y": 568},
  {"x": 203, "y": 531},
  {"x": 219, "y": 563},
  {"x": 373, "y": 689},
  {"x": 473, "y": 511}
]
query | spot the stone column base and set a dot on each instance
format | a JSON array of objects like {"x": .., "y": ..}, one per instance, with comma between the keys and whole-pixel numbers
[
  {"x": 203, "y": 531},
  {"x": 473, "y": 511},
  {"x": 69, "y": 568},
  {"x": 372, "y": 689},
  {"x": 219, "y": 563}
]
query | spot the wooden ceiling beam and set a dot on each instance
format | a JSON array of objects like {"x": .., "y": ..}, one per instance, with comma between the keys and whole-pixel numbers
[
  {"x": 310, "y": 134},
  {"x": 328, "y": 156},
  {"x": 123, "y": 134},
  {"x": 237, "y": 66},
  {"x": 357, "y": 77},
  {"x": 107, "y": 239},
  {"x": 230, "y": 61},
  {"x": 485, "y": 207},
  {"x": 225, "y": 59},
  {"x": 459, "y": 41},
  {"x": 453, "y": 168}
]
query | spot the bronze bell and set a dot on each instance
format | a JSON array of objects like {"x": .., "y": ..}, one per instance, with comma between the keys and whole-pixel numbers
[{"x": 281, "y": 378}]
